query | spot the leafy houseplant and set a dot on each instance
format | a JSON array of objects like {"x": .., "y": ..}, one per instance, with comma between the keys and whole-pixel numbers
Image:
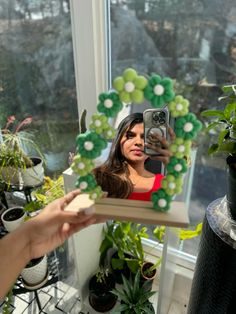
[
  {"x": 134, "y": 297},
  {"x": 223, "y": 122},
  {"x": 100, "y": 286},
  {"x": 13, "y": 154},
  {"x": 125, "y": 238}
]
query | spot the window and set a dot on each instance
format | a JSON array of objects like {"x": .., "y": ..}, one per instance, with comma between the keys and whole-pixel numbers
[
  {"x": 193, "y": 42},
  {"x": 37, "y": 74}
]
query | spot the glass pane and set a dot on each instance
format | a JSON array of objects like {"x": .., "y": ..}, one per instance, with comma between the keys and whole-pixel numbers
[
  {"x": 193, "y": 42},
  {"x": 37, "y": 74}
]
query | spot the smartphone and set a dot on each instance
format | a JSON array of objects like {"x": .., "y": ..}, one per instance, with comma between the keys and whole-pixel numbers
[{"x": 156, "y": 121}]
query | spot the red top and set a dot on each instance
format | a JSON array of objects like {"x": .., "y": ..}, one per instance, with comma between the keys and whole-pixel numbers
[{"x": 146, "y": 196}]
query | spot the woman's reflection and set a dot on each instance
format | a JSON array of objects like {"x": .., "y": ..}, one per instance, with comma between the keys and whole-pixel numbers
[{"x": 123, "y": 175}]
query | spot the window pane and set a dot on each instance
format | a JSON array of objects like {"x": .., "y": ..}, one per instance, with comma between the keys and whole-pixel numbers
[
  {"x": 37, "y": 74},
  {"x": 193, "y": 42}
]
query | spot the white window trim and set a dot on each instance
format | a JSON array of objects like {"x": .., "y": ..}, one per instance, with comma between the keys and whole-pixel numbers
[{"x": 89, "y": 36}]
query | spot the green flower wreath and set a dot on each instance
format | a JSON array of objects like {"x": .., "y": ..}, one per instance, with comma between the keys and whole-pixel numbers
[
  {"x": 109, "y": 104},
  {"x": 90, "y": 144},
  {"x": 86, "y": 183},
  {"x": 161, "y": 200},
  {"x": 187, "y": 126},
  {"x": 178, "y": 107},
  {"x": 180, "y": 147},
  {"x": 81, "y": 165},
  {"x": 176, "y": 166},
  {"x": 132, "y": 87},
  {"x": 172, "y": 185},
  {"x": 159, "y": 91}
]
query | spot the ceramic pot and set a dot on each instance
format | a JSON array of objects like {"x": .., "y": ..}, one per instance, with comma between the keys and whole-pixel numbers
[
  {"x": 13, "y": 217},
  {"x": 35, "y": 272},
  {"x": 34, "y": 175}
]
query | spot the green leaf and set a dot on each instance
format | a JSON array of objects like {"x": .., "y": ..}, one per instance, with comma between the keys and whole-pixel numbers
[
  {"x": 229, "y": 110},
  {"x": 213, "y": 113},
  {"x": 213, "y": 149},
  {"x": 212, "y": 126},
  {"x": 117, "y": 263},
  {"x": 222, "y": 136}
]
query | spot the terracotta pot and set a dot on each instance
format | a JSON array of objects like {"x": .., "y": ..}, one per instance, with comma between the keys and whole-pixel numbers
[{"x": 13, "y": 217}]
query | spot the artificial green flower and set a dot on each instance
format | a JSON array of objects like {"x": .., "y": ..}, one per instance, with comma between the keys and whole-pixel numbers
[
  {"x": 130, "y": 86},
  {"x": 81, "y": 165},
  {"x": 96, "y": 193},
  {"x": 159, "y": 91},
  {"x": 187, "y": 127},
  {"x": 172, "y": 185},
  {"x": 176, "y": 166},
  {"x": 109, "y": 133},
  {"x": 109, "y": 104},
  {"x": 99, "y": 123},
  {"x": 178, "y": 107},
  {"x": 90, "y": 144},
  {"x": 180, "y": 147},
  {"x": 86, "y": 183},
  {"x": 161, "y": 200}
]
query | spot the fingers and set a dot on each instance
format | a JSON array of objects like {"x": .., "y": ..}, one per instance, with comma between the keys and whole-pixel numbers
[
  {"x": 171, "y": 133},
  {"x": 65, "y": 200},
  {"x": 70, "y": 229}
]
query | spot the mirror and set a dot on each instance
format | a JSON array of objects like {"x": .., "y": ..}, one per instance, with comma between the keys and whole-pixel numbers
[{"x": 157, "y": 92}]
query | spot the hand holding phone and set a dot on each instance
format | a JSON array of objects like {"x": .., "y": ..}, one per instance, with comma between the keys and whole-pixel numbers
[{"x": 156, "y": 123}]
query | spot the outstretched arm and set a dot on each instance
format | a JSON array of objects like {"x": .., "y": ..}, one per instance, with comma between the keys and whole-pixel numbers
[{"x": 37, "y": 237}]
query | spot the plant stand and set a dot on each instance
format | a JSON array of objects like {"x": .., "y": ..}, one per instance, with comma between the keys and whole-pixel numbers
[
  {"x": 16, "y": 188},
  {"x": 214, "y": 283}
]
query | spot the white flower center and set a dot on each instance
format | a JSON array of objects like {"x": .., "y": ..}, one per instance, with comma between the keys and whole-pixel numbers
[
  {"x": 98, "y": 123},
  {"x": 178, "y": 167},
  {"x": 179, "y": 107},
  {"x": 81, "y": 165},
  {"x": 94, "y": 196},
  {"x": 162, "y": 202},
  {"x": 171, "y": 185},
  {"x": 158, "y": 90},
  {"x": 129, "y": 87},
  {"x": 188, "y": 127},
  {"x": 181, "y": 148},
  {"x": 88, "y": 145},
  {"x": 109, "y": 133},
  {"x": 83, "y": 185},
  {"x": 108, "y": 103}
]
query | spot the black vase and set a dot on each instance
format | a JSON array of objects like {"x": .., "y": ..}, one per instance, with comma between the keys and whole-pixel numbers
[{"x": 231, "y": 185}]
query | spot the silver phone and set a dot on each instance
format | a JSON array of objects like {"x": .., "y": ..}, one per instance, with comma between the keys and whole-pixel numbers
[{"x": 156, "y": 121}]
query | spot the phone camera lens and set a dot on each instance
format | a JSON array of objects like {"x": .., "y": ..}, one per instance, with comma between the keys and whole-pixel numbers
[
  {"x": 162, "y": 121},
  {"x": 155, "y": 116},
  {"x": 162, "y": 115}
]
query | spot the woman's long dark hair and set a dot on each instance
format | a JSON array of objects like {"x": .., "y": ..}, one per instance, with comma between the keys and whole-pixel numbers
[{"x": 113, "y": 175}]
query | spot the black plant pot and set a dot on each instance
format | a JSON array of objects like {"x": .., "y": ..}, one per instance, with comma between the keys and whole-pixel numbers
[
  {"x": 231, "y": 185},
  {"x": 125, "y": 271},
  {"x": 100, "y": 297}
]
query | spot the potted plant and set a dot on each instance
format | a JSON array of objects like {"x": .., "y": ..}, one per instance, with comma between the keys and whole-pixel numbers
[
  {"x": 100, "y": 286},
  {"x": 13, "y": 217},
  {"x": 223, "y": 122},
  {"x": 134, "y": 297},
  {"x": 35, "y": 273},
  {"x": 125, "y": 239},
  {"x": 15, "y": 165}
]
